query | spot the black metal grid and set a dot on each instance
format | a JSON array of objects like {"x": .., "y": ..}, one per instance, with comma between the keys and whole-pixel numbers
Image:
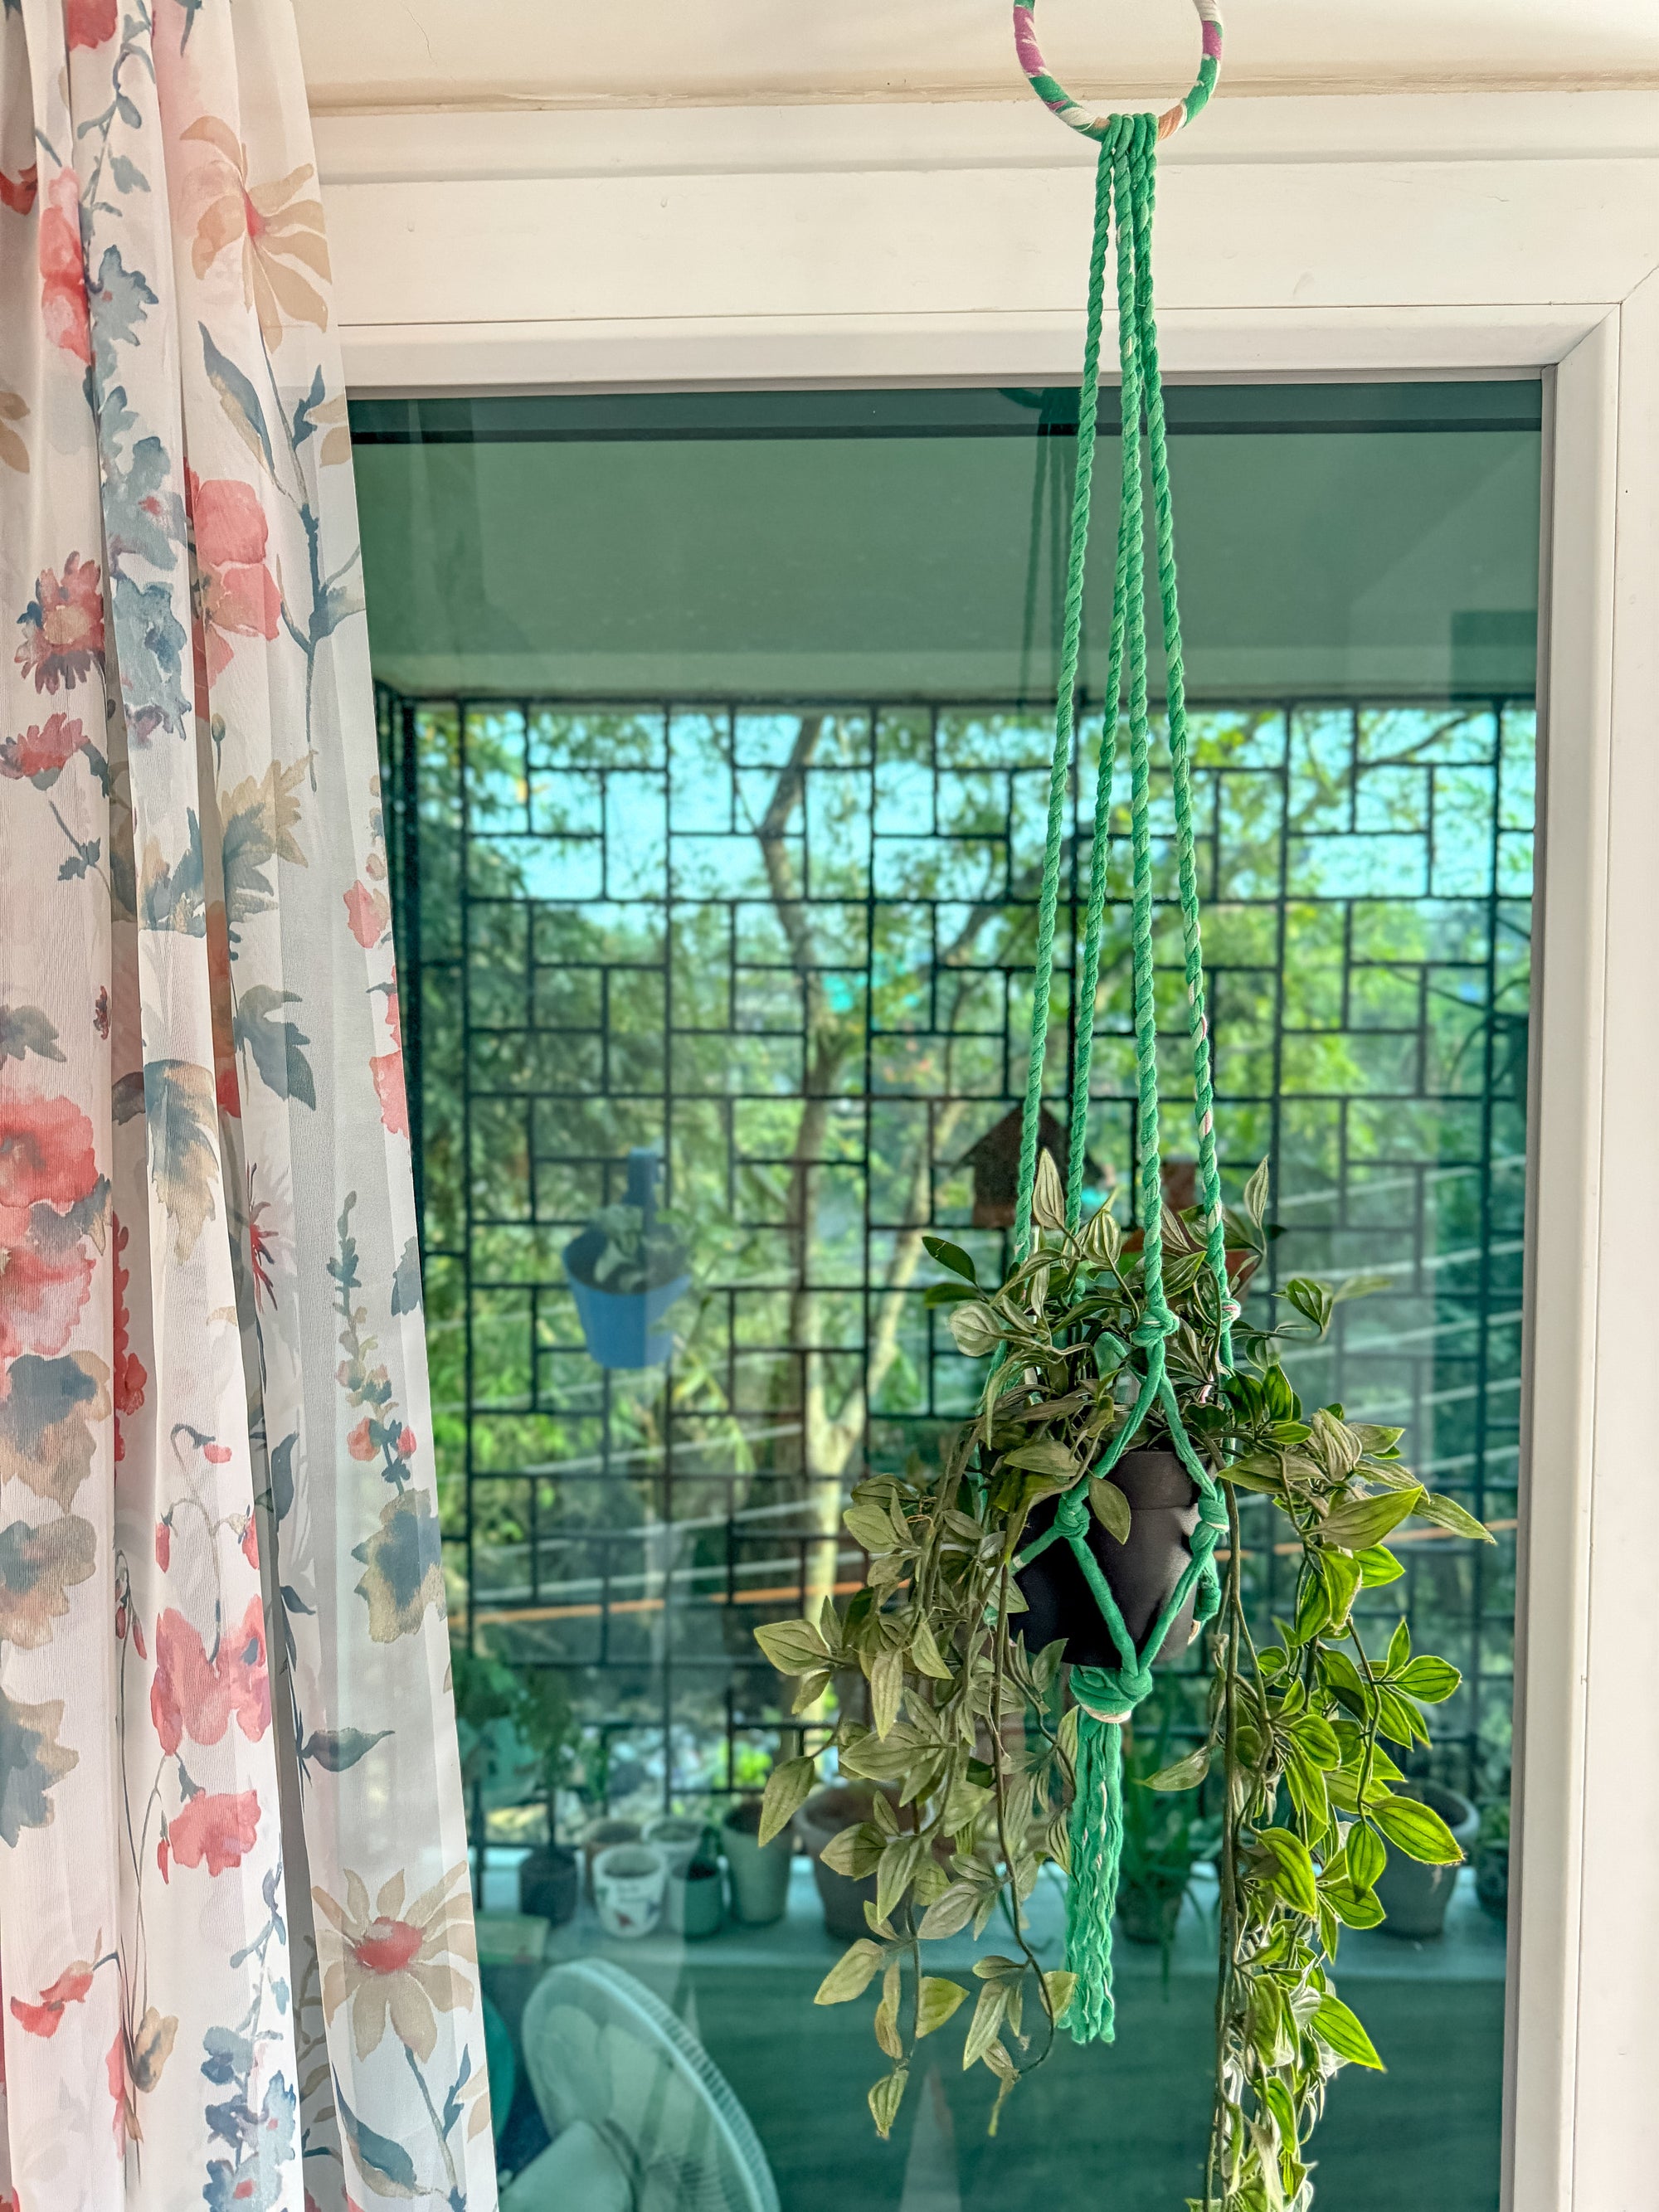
[{"x": 790, "y": 943}]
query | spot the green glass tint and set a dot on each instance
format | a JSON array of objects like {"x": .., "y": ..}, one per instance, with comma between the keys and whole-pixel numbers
[{"x": 716, "y": 742}]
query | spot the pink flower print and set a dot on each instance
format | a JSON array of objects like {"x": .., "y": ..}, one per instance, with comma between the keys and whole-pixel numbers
[
  {"x": 163, "y": 1544},
  {"x": 88, "y": 22},
  {"x": 387, "y": 1070},
  {"x": 63, "y": 274},
  {"x": 359, "y": 1443},
  {"x": 43, "y": 751},
  {"x": 193, "y": 1695},
  {"x": 236, "y": 595},
  {"x": 46, "y": 1161},
  {"x": 63, "y": 626},
  {"x": 367, "y": 913},
  {"x": 44, "y": 2019},
  {"x": 18, "y": 193},
  {"x": 130, "y": 1376},
  {"x": 219, "y": 1829}
]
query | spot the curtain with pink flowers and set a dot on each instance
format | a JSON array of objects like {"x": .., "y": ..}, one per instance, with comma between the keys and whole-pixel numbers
[{"x": 236, "y": 1942}]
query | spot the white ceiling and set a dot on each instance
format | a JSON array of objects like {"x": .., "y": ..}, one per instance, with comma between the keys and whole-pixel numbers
[{"x": 481, "y": 53}]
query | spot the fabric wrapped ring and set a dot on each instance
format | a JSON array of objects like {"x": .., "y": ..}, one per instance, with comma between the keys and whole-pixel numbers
[{"x": 1055, "y": 96}]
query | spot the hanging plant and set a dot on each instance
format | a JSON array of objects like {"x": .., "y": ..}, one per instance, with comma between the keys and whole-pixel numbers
[
  {"x": 626, "y": 1269},
  {"x": 1074, "y": 1533},
  {"x": 974, "y": 1733}
]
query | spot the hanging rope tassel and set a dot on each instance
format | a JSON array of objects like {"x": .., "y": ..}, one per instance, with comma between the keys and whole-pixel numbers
[{"x": 1097, "y": 1853}]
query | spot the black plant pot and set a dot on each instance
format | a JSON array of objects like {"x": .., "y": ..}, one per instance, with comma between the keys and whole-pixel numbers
[
  {"x": 550, "y": 1883},
  {"x": 1142, "y": 1574}
]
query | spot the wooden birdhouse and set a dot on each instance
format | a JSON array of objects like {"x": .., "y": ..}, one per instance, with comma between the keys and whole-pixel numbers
[{"x": 995, "y": 1162}]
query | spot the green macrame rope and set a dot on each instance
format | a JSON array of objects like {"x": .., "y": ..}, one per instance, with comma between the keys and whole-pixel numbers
[
  {"x": 1064, "y": 704},
  {"x": 1106, "y": 1697}
]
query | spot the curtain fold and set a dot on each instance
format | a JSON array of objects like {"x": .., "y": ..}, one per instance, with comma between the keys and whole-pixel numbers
[{"x": 236, "y": 1942}]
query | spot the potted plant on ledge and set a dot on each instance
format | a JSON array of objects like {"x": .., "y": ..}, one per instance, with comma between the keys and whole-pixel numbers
[{"x": 626, "y": 1269}]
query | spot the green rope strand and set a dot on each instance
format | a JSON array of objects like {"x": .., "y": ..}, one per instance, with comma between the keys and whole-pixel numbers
[
  {"x": 1128, "y": 529},
  {"x": 1065, "y": 705},
  {"x": 1106, "y": 1697},
  {"x": 1158, "y": 1317},
  {"x": 1145, "y": 159}
]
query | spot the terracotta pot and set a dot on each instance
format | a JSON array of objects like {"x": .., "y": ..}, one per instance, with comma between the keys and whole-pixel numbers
[
  {"x": 1415, "y": 1897},
  {"x": 1141, "y": 1574}
]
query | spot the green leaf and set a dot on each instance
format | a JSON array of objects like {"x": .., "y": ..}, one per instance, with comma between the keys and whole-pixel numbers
[
  {"x": 1355, "y": 1908},
  {"x": 1367, "y": 1855},
  {"x": 795, "y": 1647},
  {"x": 898, "y": 1865},
  {"x": 1429, "y": 1680},
  {"x": 1294, "y": 1876},
  {"x": 886, "y": 1687},
  {"x": 1446, "y": 1513},
  {"x": 952, "y": 1256},
  {"x": 937, "y": 2001},
  {"x": 987, "y": 2020},
  {"x": 946, "y": 1294},
  {"x": 855, "y": 1851},
  {"x": 1336, "y": 2025},
  {"x": 949, "y": 1913},
  {"x": 1045, "y": 1456},
  {"x": 1110, "y": 1507},
  {"x": 1316, "y": 1740},
  {"x": 924, "y": 1650},
  {"x": 1257, "y": 1194},
  {"x": 1343, "y": 1581},
  {"x": 1360, "y": 1522},
  {"x": 885, "y": 2100},
  {"x": 787, "y": 1787},
  {"x": 1377, "y": 1564},
  {"x": 975, "y": 1329},
  {"x": 852, "y": 1974},
  {"x": 1186, "y": 1774},
  {"x": 871, "y": 1527},
  {"x": 1418, "y": 1829},
  {"x": 1048, "y": 1195},
  {"x": 1061, "y": 1987}
]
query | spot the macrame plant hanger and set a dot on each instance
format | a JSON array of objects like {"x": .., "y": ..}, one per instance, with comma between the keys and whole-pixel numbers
[{"x": 1106, "y": 1697}]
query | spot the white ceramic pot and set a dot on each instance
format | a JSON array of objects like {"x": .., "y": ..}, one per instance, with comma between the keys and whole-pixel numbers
[
  {"x": 630, "y": 1885},
  {"x": 677, "y": 1839}
]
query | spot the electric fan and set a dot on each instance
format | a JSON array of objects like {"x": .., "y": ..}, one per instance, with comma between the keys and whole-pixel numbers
[{"x": 641, "y": 2119}]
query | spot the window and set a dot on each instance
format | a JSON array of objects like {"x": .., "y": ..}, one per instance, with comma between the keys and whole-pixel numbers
[{"x": 716, "y": 744}]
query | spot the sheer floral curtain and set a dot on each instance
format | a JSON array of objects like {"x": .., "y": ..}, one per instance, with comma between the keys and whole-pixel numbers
[{"x": 235, "y": 1934}]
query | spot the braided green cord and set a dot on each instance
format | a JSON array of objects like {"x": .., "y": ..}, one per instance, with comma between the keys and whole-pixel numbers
[
  {"x": 1159, "y": 1320},
  {"x": 1128, "y": 529},
  {"x": 1197, "y": 1023},
  {"x": 1065, "y": 705}
]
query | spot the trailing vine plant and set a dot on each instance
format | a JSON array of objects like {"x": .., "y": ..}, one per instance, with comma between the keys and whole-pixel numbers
[{"x": 971, "y": 1739}]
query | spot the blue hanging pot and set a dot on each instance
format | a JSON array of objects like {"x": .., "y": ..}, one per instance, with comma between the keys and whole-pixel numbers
[{"x": 621, "y": 1328}]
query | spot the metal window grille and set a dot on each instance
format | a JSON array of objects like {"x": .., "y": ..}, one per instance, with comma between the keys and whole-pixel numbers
[{"x": 789, "y": 945}]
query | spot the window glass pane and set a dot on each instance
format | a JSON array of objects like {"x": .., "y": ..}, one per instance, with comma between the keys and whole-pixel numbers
[{"x": 716, "y": 733}]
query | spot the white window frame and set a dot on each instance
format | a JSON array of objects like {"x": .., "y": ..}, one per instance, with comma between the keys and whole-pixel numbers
[{"x": 1296, "y": 238}]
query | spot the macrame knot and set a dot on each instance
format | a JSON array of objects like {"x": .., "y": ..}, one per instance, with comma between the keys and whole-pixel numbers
[
  {"x": 1159, "y": 1323},
  {"x": 1211, "y": 1514},
  {"x": 1071, "y": 1514}
]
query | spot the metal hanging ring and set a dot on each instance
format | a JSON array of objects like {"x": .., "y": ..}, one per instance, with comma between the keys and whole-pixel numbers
[{"x": 1055, "y": 96}]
